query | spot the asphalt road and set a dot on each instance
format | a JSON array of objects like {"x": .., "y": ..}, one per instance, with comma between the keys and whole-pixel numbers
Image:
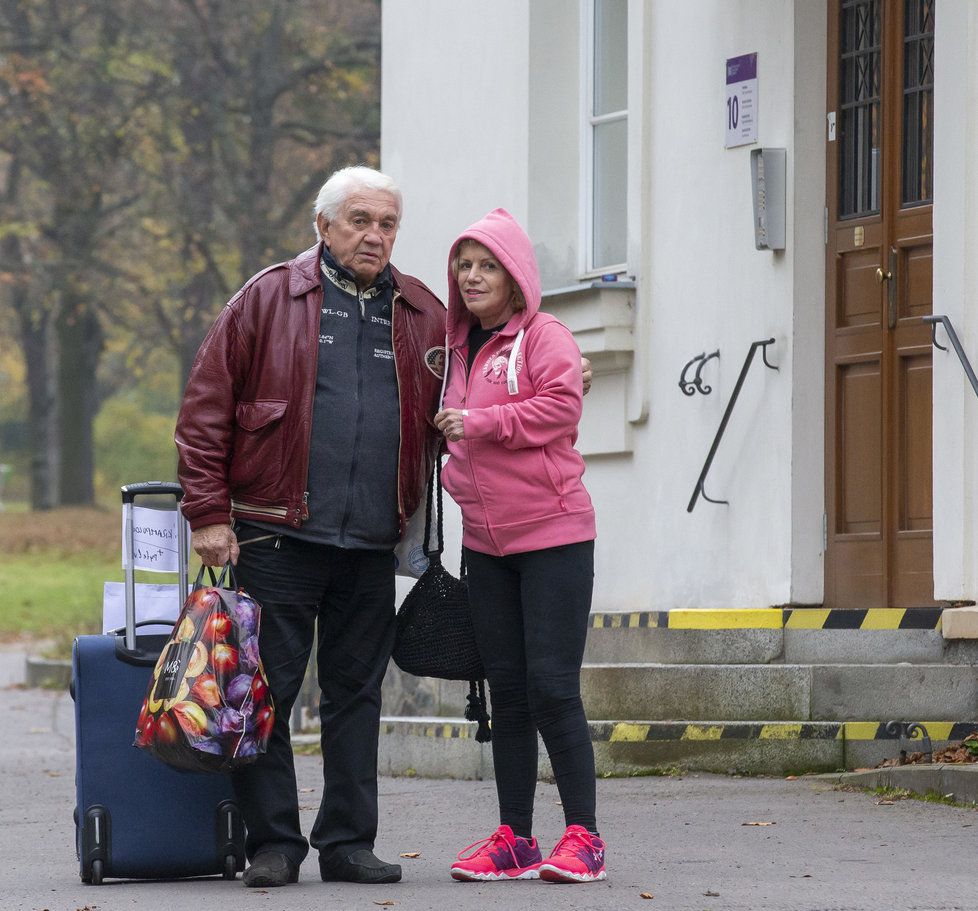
[{"x": 682, "y": 840}]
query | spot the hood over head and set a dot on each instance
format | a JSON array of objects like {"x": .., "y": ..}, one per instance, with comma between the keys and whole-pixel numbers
[{"x": 502, "y": 235}]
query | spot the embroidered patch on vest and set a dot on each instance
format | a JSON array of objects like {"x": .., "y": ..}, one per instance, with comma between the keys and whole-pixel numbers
[
  {"x": 434, "y": 359},
  {"x": 496, "y": 367}
]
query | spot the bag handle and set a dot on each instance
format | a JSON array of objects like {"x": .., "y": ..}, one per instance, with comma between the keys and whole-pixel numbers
[
  {"x": 433, "y": 481},
  {"x": 227, "y": 575}
]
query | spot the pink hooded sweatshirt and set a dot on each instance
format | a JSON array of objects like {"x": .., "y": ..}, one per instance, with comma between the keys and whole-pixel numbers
[{"x": 516, "y": 475}]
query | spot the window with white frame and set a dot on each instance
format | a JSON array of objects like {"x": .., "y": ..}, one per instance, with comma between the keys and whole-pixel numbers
[{"x": 606, "y": 134}]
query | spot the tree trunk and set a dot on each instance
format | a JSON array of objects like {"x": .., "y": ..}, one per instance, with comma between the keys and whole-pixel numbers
[
  {"x": 81, "y": 340},
  {"x": 42, "y": 423}
]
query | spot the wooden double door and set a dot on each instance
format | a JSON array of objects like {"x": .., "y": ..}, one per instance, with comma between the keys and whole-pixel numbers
[{"x": 879, "y": 240}]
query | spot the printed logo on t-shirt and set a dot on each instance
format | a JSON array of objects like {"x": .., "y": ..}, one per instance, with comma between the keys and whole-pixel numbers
[
  {"x": 434, "y": 359},
  {"x": 384, "y": 354},
  {"x": 325, "y": 339},
  {"x": 327, "y": 311},
  {"x": 497, "y": 366}
]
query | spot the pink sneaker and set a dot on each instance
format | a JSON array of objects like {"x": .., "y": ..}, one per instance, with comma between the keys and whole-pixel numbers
[
  {"x": 578, "y": 858},
  {"x": 502, "y": 855}
]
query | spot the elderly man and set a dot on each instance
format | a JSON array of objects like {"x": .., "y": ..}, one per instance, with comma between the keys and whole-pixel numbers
[
  {"x": 305, "y": 442},
  {"x": 306, "y": 421}
]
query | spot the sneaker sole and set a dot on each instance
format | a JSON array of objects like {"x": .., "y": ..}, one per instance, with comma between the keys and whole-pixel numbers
[
  {"x": 466, "y": 876},
  {"x": 552, "y": 874}
]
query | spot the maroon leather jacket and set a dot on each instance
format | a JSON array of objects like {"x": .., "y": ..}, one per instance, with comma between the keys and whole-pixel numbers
[{"x": 244, "y": 425}]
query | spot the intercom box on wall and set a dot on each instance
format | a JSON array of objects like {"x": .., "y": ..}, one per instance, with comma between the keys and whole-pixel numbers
[{"x": 767, "y": 177}]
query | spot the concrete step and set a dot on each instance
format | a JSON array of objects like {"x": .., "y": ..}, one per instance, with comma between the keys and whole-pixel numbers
[
  {"x": 446, "y": 747},
  {"x": 785, "y": 692},
  {"x": 771, "y": 635}
]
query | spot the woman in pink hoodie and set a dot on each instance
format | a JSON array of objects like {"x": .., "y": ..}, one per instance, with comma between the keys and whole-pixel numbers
[{"x": 511, "y": 408}]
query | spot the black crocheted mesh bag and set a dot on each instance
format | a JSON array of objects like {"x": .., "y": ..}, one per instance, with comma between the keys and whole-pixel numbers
[{"x": 434, "y": 625}]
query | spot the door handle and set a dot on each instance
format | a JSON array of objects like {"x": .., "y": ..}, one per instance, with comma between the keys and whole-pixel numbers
[
  {"x": 892, "y": 287},
  {"x": 882, "y": 276}
]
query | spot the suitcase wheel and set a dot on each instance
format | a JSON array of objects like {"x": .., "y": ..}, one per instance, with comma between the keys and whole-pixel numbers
[
  {"x": 96, "y": 872},
  {"x": 230, "y": 867}
]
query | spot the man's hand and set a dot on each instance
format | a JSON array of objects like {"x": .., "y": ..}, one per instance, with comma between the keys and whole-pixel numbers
[
  {"x": 215, "y": 545},
  {"x": 449, "y": 422},
  {"x": 586, "y": 374}
]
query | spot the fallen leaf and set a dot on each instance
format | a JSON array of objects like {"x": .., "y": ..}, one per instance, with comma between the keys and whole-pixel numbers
[
  {"x": 758, "y": 823},
  {"x": 411, "y": 854},
  {"x": 307, "y": 790},
  {"x": 710, "y": 894},
  {"x": 792, "y": 778},
  {"x": 884, "y": 803},
  {"x": 386, "y": 902},
  {"x": 646, "y": 895}
]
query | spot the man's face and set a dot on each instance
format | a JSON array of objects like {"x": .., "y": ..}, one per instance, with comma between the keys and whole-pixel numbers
[{"x": 362, "y": 235}]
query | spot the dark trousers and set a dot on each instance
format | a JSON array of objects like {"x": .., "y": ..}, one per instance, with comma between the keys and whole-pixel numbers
[
  {"x": 350, "y": 595},
  {"x": 530, "y": 613}
]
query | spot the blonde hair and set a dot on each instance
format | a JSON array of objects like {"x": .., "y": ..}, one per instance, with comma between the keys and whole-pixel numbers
[{"x": 519, "y": 301}]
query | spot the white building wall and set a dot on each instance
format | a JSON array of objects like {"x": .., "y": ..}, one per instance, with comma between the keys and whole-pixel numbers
[
  {"x": 453, "y": 120},
  {"x": 472, "y": 123},
  {"x": 955, "y": 442}
]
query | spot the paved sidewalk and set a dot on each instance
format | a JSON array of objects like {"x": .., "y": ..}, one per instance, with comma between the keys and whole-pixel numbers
[{"x": 679, "y": 839}]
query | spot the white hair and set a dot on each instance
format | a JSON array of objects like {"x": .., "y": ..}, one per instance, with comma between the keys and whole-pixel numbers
[{"x": 346, "y": 181}]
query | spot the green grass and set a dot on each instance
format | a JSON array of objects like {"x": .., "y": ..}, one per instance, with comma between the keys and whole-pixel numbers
[
  {"x": 58, "y": 598},
  {"x": 45, "y": 596}
]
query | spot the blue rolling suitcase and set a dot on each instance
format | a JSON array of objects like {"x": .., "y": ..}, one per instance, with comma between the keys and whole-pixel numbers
[{"x": 136, "y": 818}]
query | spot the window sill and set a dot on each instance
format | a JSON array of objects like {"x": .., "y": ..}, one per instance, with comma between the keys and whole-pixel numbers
[{"x": 601, "y": 316}]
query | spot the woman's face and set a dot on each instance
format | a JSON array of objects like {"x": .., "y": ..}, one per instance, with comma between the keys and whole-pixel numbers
[{"x": 485, "y": 285}]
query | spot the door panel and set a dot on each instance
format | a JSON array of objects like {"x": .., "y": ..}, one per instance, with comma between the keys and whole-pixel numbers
[{"x": 879, "y": 284}]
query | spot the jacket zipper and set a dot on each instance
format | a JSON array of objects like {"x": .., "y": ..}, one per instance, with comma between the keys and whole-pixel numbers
[
  {"x": 356, "y": 439},
  {"x": 401, "y": 518},
  {"x": 302, "y": 512},
  {"x": 469, "y": 460}
]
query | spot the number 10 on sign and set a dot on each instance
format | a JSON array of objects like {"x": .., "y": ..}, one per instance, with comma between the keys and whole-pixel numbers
[{"x": 741, "y": 100}]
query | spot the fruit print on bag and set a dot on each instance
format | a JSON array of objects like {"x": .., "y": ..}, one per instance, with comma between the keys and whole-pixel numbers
[{"x": 208, "y": 706}]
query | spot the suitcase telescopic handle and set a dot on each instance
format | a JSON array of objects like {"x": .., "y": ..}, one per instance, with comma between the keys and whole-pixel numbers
[
  {"x": 149, "y": 488},
  {"x": 129, "y": 494}
]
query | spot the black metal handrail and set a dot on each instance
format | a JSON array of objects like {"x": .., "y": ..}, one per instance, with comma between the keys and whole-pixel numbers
[
  {"x": 698, "y": 490},
  {"x": 956, "y": 344}
]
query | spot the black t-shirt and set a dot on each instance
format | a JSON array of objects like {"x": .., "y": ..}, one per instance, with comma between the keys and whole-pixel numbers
[{"x": 477, "y": 338}]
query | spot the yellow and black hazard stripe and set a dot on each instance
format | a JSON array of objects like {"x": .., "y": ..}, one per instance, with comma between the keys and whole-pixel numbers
[
  {"x": 641, "y": 732},
  {"x": 691, "y": 619},
  {"x": 452, "y": 730},
  {"x": 808, "y": 618},
  {"x": 888, "y": 618},
  {"x": 646, "y": 731},
  {"x": 936, "y": 730}
]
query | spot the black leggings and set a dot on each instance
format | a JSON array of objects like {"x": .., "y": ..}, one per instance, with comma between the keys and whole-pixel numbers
[{"x": 530, "y": 613}]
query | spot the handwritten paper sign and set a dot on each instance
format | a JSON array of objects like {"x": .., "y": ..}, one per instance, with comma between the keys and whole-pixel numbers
[
  {"x": 153, "y": 602},
  {"x": 154, "y": 539}
]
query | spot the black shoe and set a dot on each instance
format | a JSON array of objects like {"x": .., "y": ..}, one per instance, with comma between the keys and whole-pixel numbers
[
  {"x": 359, "y": 867},
  {"x": 270, "y": 869}
]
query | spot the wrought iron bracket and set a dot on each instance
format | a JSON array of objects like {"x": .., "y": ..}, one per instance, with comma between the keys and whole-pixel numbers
[
  {"x": 690, "y": 387},
  {"x": 911, "y": 735}
]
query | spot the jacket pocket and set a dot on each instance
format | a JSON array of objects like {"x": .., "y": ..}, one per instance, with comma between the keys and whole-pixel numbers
[
  {"x": 255, "y": 415},
  {"x": 553, "y": 472},
  {"x": 258, "y": 445}
]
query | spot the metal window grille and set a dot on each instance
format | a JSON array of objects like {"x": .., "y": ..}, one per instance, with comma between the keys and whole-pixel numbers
[
  {"x": 918, "y": 103},
  {"x": 859, "y": 109}
]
